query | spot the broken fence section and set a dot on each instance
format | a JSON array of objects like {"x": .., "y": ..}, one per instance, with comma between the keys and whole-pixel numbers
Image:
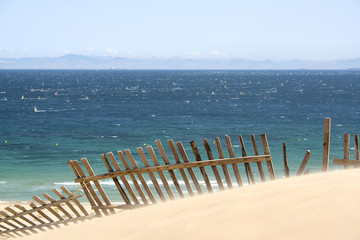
[
  {"x": 346, "y": 161},
  {"x": 18, "y": 221},
  {"x": 176, "y": 177}
]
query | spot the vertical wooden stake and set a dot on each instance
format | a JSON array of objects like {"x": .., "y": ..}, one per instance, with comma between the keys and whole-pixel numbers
[
  {"x": 286, "y": 164},
  {"x": 346, "y": 149},
  {"x": 356, "y": 142},
  {"x": 326, "y": 145}
]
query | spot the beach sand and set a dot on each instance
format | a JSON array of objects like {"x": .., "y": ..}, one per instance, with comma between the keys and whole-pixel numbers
[{"x": 317, "y": 206}]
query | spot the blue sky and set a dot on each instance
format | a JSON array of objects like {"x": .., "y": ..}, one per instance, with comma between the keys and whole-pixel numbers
[{"x": 255, "y": 30}]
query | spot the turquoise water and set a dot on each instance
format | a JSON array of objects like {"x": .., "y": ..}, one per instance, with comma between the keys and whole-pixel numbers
[{"x": 86, "y": 113}]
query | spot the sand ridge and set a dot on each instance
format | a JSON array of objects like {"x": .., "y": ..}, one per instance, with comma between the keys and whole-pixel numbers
[{"x": 318, "y": 206}]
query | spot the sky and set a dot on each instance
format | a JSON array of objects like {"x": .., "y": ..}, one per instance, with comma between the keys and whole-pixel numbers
[{"x": 248, "y": 29}]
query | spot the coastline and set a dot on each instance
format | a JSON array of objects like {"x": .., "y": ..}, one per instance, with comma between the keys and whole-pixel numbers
[{"x": 317, "y": 206}]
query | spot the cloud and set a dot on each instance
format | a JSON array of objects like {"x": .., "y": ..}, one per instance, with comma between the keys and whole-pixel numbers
[
  {"x": 216, "y": 53},
  {"x": 193, "y": 54},
  {"x": 111, "y": 51},
  {"x": 90, "y": 49}
]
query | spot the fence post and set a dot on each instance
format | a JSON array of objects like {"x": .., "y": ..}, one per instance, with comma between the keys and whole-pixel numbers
[{"x": 326, "y": 145}]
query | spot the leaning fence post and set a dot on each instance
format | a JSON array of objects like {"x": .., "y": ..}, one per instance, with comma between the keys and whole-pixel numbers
[
  {"x": 326, "y": 145},
  {"x": 286, "y": 164}
]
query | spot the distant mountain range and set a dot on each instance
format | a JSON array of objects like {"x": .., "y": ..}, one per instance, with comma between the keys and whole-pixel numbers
[{"x": 73, "y": 61}]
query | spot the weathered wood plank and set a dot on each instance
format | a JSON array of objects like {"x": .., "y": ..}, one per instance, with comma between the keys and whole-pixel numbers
[
  {"x": 84, "y": 185},
  {"x": 151, "y": 175},
  {"x": 303, "y": 163},
  {"x": 223, "y": 166},
  {"x": 256, "y": 152},
  {"x": 54, "y": 204},
  {"x": 14, "y": 226},
  {"x": 44, "y": 215},
  {"x": 160, "y": 171},
  {"x": 157, "y": 168},
  {"x": 97, "y": 184},
  {"x": 132, "y": 177},
  {"x": 123, "y": 178},
  {"x": 356, "y": 143},
  {"x": 234, "y": 165},
  {"x": 346, "y": 148},
  {"x": 355, "y": 163},
  {"x": 115, "y": 180},
  {"x": 12, "y": 211},
  {"x": 77, "y": 203},
  {"x": 247, "y": 165},
  {"x": 326, "y": 145},
  {"x": 214, "y": 168},
  {"x": 25, "y": 211},
  {"x": 286, "y": 164},
  {"x": 267, "y": 152},
  {"x": 202, "y": 169},
  {"x": 68, "y": 204},
  {"x": 171, "y": 172},
  {"x": 182, "y": 171},
  {"x": 48, "y": 207},
  {"x": 140, "y": 176},
  {"x": 190, "y": 170}
]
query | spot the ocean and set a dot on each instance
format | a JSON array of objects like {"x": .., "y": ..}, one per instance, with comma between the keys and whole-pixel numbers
[{"x": 48, "y": 117}]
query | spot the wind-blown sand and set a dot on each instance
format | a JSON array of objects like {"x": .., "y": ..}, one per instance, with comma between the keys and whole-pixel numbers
[{"x": 318, "y": 206}]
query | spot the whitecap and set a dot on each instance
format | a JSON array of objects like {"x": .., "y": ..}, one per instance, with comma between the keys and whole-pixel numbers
[{"x": 66, "y": 183}]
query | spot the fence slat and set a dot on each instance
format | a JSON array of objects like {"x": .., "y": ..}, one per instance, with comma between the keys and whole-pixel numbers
[
  {"x": 202, "y": 169},
  {"x": 356, "y": 142},
  {"x": 32, "y": 224},
  {"x": 171, "y": 172},
  {"x": 132, "y": 177},
  {"x": 260, "y": 158},
  {"x": 44, "y": 215},
  {"x": 161, "y": 173},
  {"x": 223, "y": 166},
  {"x": 16, "y": 227},
  {"x": 151, "y": 175},
  {"x": 326, "y": 144},
  {"x": 140, "y": 176},
  {"x": 52, "y": 211},
  {"x": 70, "y": 206},
  {"x": 23, "y": 209},
  {"x": 123, "y": 178},
  {"x": 256, "y": 152},
  {"x": 211, "y": 157},
  {"x": 182, "y": 171},
  {"x": 190, "y": 170},
  {"x": 84, "y": 186},
  {"x": 77, "y": 203},
  {"x": 49, "y": 198},
  {"x": 247, "y": 165},
  {"x": 346, "y": 148},
  {"x": 234, "y": 165},
  {"x": 115, "y": 180},
  {"x": 97, "y": 185},
  {"x": 303, "y": 163},
  {"x": 267, "y": 152},
  {"x": 286, "y": 164}
]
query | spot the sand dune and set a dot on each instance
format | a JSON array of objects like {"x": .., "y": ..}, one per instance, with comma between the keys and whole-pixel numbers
[{"x": 318, "y": 206}]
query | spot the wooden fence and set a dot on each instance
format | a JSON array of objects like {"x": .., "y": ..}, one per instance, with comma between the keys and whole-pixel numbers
[
  {"x": 164, "y": 180},
  {"x": 346, "y": 161},
  {"x": 18, "y": 221}
]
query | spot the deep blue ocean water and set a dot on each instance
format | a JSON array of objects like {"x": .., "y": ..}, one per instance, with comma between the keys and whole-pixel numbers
[{"x": 86, "y": 113}]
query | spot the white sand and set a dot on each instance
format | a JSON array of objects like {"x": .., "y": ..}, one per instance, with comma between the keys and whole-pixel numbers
[{"x": 318, "y": 206}]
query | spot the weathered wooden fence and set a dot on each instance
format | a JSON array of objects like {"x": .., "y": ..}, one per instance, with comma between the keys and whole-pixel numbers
[
  {"x": 18, "y": 221},
  {"x": 164, "y": 180},
  {"x": 346, "y": 161}
]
